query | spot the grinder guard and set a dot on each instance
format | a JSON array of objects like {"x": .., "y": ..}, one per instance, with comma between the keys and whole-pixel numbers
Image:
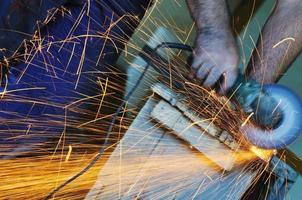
[{"x": 287, "y": 129}]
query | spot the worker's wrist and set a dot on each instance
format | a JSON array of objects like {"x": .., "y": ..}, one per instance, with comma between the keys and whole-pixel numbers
[{"x": 207, "y": 34}]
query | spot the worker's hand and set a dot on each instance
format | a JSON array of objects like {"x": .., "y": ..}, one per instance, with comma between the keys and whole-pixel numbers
[{"x": 215, "y": 61}]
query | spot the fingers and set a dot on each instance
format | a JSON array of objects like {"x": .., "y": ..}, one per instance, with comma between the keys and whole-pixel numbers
[
  {"x": 228, "y": 80},
  {"x": 201, "y": 68},
  {"x": 203, "y": 72},
  {"x": 212, "y": 78},
  {"x": 215, "y": 69}
]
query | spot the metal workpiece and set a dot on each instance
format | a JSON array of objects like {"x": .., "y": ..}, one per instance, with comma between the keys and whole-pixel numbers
[
  {"x": 199, "y": 139},
  {"x": 206, "y": 126}
]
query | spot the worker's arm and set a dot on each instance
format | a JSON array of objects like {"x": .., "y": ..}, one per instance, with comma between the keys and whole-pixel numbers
[
  {"x": 280, "y": 44},
  {"x": 215, "y": 56}
]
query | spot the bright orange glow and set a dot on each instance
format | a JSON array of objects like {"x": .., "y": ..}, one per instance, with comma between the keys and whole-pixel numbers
[{"x": 264, "y": 154}]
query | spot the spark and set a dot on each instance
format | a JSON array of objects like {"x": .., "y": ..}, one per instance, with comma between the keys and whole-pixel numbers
[
  {"x": 104, "y": 90},
  {"x": 284, "y": 40},
  {"x": 264, "y": 154},
  {"x": 69, "y": 153},
  {"x": 247, "y": 119}
]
